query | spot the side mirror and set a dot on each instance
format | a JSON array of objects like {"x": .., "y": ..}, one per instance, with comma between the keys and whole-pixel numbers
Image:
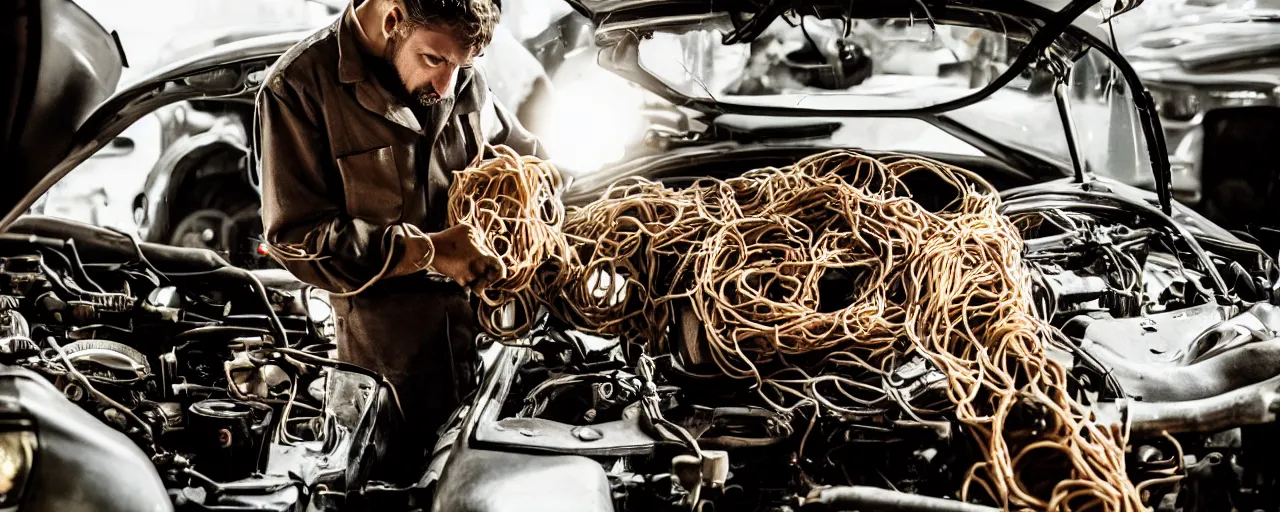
[{"x": 120, "y": 146}]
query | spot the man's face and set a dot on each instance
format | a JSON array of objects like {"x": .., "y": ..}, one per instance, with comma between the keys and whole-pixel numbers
[{"x": 426, "y": 61}]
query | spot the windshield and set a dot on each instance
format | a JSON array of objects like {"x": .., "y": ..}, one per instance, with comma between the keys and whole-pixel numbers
[
  {"x": 905, "y": 64},
  {"x": 1105, "y": 121},
  {"x": 863, "y": 64}
]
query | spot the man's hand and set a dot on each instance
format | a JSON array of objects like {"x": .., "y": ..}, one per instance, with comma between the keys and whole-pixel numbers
[{"x": 459, "y": 258}]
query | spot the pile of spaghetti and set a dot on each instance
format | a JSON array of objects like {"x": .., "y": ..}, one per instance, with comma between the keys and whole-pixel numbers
[{"x": 751, "y": 255}]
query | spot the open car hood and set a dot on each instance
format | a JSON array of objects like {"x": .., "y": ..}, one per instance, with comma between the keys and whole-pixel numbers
[
  {"x": 58, "y": 64},
  {"x": 79, "y": 109},
  {"x": 634, "y": 10}
]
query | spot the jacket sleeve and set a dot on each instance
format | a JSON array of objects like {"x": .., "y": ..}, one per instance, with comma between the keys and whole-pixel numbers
[{"x": 305, "y": 224}]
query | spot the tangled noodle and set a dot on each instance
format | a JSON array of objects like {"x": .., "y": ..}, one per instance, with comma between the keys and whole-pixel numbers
[{"x": 748, "y": 255}]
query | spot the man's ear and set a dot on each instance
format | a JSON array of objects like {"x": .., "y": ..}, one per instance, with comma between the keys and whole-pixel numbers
[{"x": 393, "y": 21}]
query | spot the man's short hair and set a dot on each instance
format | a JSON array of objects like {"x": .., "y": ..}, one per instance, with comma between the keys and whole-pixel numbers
[{"x": 471, "y": 21}]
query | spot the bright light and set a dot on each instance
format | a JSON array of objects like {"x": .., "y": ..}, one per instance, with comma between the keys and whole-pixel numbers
[{"x": 595, "y": 115}]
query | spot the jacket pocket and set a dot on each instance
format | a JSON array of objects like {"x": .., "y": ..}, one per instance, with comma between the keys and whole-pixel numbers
[{"x": 371, "y": 184}]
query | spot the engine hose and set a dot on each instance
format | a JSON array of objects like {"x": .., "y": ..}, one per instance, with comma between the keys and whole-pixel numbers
[
  {"x": 107, "y": 245},
  {"x": 247, "y": 486},
  {"x": 735, "y": 442},
  {"x": 1255, "y": 404},
  {"x": 1155, "y": 213},
  {"x": 254, "y": 283},
  {"x": 210, "y": 330},
  {"x": 208, "y": 259},
  {"x": 1016, "y": 207},
  {"x": 58, "y": 284},
  {"x": 346, "y": 367},
  {"x": 859, "y": 497},
  {"x": 204, "y": 258},
  {"x": 76, "y": 375},
  {"x": 79, "y": 266},
  {"x": 1231, "y": 370}
]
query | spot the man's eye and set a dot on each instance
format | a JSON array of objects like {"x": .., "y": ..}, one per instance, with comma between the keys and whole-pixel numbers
[{"x": 433, "y": 60}]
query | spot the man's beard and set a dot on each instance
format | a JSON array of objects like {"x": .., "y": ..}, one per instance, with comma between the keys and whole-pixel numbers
[{"x": 425, "y": 95}]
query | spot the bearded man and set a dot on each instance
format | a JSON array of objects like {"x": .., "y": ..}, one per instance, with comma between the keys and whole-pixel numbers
[{"x": 360, "y": 127}]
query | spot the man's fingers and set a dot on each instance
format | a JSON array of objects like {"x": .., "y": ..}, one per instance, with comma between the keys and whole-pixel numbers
[
  {"x": 498, "y": 269},
  {"x": 485, "y": 265},
  {"x": 484, "y": 280},
  {"x": 485, "y": 270},
  {"x": 465, "y": 277}
]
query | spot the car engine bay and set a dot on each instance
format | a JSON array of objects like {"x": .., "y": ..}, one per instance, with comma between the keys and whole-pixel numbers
[
  {"x": 1166, "y": 332},
  {"x": 224, "y": 377}
]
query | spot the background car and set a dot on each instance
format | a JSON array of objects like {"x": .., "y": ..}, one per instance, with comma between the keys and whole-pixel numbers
[{"x": 1211, "y": 67}]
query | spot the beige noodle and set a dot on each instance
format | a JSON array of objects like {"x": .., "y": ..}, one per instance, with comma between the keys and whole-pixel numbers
[{"x": 748, "y": 253}]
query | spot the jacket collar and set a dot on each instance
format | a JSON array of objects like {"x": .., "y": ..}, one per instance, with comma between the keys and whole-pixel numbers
[
  {"x": 469, "y": 90},
  {"x": 350, "y": 61}
]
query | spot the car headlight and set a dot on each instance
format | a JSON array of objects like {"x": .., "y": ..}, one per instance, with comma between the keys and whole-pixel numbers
[
  {"x": 17, "y": 451},
  {"x": 1239, "y": 97},
  {"x": 1184, "y": 103},
  {"x": 1176, "y": 104}
]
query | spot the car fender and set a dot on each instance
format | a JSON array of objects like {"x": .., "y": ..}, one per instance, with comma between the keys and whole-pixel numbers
[
  {"x": 81, "y": 464},
  {"x": 176, "y": 164}
]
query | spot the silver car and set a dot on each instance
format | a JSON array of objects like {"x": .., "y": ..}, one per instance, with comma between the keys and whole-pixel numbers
[{"x": 1214, "y": 74}]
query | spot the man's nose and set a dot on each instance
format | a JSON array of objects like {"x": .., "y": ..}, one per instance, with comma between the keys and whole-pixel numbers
[{"x": 443, "y": 82}]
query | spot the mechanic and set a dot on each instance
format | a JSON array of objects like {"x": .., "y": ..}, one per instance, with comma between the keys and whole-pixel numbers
[{"x": 361, "y": 126}]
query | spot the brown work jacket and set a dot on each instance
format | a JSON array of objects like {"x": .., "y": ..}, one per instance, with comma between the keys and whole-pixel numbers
[
  {"x": 344, "y": 165},
  {"x": 345, "y": 168}
]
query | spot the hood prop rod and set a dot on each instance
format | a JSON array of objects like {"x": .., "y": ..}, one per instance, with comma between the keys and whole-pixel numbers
[{"x": 1060, "y": 90}]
